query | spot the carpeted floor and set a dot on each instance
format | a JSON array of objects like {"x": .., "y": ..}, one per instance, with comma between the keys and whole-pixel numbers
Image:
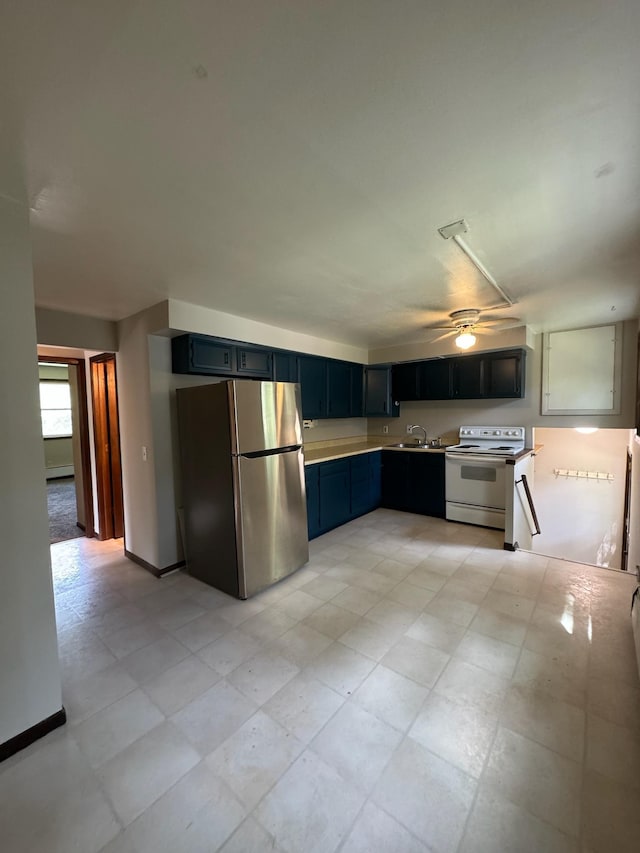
[{"x": 61, "y": 499}]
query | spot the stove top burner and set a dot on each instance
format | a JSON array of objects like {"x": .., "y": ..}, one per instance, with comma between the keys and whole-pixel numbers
[{"x": 489, "y": 441}]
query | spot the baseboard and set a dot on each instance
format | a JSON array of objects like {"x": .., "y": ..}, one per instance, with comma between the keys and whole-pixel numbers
[
  {"x": 511, "y": 547},
  {"x": 60, "y": 472},
  {"x": 158, "y": 573},
  {"x": 29, "y": 736}
]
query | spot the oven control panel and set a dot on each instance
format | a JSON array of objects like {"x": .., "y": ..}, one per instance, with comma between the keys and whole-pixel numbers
[{"x": 512, "y": 433}]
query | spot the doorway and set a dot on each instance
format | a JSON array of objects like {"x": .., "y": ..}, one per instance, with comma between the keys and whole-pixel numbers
[
  {"x": 104, "y": 398},
  {"x": 65, "y": 430},
  {"x": 580, "y": 477}
]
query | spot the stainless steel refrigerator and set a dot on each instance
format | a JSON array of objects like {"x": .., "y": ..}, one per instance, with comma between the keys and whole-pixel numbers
[{"x": 243, "y": 493}]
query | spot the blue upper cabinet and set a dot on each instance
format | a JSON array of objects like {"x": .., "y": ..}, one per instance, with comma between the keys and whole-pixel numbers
[
  {"x": 207, "y": 356},
  {"x": 313, "y": 385},
  {"x": 405, "y": 381},
  {"x": 330, "y": 388},
  {"x": 504, "y": 374},
  {"x": 254, "y": 363},
  {"x": 489, "y": 375},
  {"x": 203, "y": 355},
  {"x": 379, "y": 402},
  {"x": 338, "y": 389},
  {"x": 434, "y": 379},
  {"x": 357, "y": 391},
  {"x": 467, "y": 377},
  {"x": 286, "y": 367}
]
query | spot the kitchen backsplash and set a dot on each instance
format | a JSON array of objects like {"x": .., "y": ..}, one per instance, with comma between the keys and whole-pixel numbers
[
  {"x": 443, "y": 420},
  {"x": 330, "y": 430}
]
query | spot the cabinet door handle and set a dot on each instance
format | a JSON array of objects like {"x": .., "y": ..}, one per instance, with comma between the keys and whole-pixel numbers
[
  {"x": 244, "y": 359},
  {"x": 226, "y": 358}
]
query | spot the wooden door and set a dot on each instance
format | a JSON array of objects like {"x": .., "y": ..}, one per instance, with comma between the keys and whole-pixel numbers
[{"x": 104, "y": 395}]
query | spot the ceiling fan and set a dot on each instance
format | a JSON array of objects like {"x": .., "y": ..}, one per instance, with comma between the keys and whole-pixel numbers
[{"x": 465, "y": 324}]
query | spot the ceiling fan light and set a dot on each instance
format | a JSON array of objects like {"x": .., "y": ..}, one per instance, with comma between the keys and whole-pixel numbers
[{"x": 465, "y": 340}]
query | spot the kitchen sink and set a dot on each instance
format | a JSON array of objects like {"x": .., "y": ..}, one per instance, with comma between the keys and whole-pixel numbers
[{"x": 413, "y": 446}]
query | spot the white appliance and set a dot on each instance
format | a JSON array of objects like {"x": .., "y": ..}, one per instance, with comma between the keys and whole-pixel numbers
[
  {"x": 476, "y": 475},
  {"x": 492, "y": 441}
]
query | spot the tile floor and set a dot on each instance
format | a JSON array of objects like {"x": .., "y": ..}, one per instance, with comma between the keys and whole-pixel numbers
[{"x": 414, "y": 688}]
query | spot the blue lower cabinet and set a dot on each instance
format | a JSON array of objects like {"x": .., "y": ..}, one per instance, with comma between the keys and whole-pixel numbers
[
  {"x": 340, "y": 490},
  {"x": 365, "y": 483},
  {"x": 414, "y": 482},
  {"x": 312, "y": 482},
  {"x": 375, "y": 479},
  {"x": 334, "y": 493},
  {"x": 360, "y": 487}
]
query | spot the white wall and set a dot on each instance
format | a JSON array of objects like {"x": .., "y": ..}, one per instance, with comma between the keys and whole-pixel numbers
[
  {"x": 581, "y": 519},
  {"x": 29, "y": 669},
  {"x": 193, "y": 318},
  {"x": 137, "y": 429},
  {"x": 60, "y": 328}
]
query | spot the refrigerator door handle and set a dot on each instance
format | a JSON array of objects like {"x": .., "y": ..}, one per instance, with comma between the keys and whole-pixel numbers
[{"x": 257, "y": 454}]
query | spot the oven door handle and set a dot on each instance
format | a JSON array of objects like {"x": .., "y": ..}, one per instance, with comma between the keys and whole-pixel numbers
[{"x": 488, "y": 459}]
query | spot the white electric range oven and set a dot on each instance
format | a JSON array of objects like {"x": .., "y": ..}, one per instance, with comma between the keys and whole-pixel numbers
[{"x": 475, "y": 474}]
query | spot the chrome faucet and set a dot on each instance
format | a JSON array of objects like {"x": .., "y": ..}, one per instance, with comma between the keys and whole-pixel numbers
[{"x": 417, "y": 426}]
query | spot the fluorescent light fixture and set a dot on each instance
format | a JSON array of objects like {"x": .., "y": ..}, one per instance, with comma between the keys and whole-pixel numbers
[
  {"x": 586, "y": 430},
  {"x": 465, "y": 340}
]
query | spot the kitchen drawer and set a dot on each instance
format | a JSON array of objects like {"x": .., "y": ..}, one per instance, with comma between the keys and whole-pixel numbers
[{"x": 336, "y": 466}]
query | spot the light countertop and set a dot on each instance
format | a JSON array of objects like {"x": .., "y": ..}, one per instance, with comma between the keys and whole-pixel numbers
[
  {"x": 341, "y": 451},
  {"x": 337, "y": 450}
]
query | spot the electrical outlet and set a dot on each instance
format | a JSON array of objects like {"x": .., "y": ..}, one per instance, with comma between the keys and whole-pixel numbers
[
  {"x": 385, "y": 430},
  {"x": 409, "y": 429}
]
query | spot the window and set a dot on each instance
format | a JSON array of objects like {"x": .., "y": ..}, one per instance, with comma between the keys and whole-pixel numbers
[{"x": 55, "y": 408}]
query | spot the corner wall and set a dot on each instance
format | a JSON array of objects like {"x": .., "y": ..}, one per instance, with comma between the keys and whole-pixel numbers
[
  {"x": 146, "y": 391},
  {"x": 136, "y": 399},
  {"x": 29, "y": 670}
]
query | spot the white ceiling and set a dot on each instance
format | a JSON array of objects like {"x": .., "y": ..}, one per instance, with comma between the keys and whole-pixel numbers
[{"x": 291, "y": 160}]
